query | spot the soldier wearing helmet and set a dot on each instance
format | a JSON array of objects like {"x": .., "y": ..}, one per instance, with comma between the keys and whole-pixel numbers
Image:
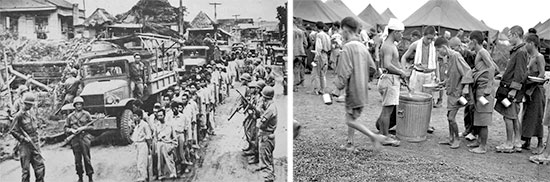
[
  {"x": 17, "y": 106},
  {"x": 267, "y": 123},
  {"x": 24, "y": 128},
  {"x": 76, "y": 124},
  {"x": 259, "y": 71},
  {"x": 245, "y": 79}
]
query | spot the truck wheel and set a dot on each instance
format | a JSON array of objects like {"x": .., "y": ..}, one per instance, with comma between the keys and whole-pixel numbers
[{"x": 126, "y": 126}]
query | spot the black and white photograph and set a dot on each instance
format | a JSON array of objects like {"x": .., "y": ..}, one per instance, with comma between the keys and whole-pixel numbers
[
  {"x": 428, "y": 90},
  {"x": 143, "y": 90}
]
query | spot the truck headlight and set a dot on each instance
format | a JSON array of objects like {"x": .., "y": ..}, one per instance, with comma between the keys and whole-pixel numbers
[{"x": 111, "y": 99}]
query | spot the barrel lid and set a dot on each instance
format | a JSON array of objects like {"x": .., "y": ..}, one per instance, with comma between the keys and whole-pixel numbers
[{"x": 416, "y": 96}]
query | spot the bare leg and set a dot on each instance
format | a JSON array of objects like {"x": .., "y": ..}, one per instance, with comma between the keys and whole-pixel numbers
[
  {"x": 546, "y": 151},
  {"x": 510, "y": 131},
  {"x": 483, "y": 135},
  {"x": 384, "y": 119},
  {"x": 453, "y": 129},
  {"x": 351, "y": 134},
  {"x": 355, "y": 124}
]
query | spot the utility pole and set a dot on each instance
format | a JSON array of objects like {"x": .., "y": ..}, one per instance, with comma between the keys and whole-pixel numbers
[
  {"x": 215, "y": 4},
  {"x": 181, "y": 22}
]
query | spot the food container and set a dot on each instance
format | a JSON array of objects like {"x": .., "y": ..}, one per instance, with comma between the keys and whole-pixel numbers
[
  {"x": 483, "y": 100},
  {"x": 505, "y": 102},
  {"x": 327, "y": 99},
  {"x": 413, "y": 116},
  {"x": 462, "y": 100}
]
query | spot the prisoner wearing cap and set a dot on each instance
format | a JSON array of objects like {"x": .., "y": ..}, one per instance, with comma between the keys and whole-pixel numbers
[{"x": 394, "y": 24}]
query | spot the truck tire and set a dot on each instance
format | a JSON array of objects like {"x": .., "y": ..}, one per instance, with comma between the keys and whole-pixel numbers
[{"x": 126, "y": 126}]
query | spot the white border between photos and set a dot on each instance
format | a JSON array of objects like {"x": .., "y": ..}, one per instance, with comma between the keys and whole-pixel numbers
[{"x": 290, "y": 95}]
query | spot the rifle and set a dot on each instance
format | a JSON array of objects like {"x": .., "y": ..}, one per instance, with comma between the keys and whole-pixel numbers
[
  {"x": 33, "y": 145},
  {"x": 245, "y": 106},
  {"x": 70, "y": 138}
]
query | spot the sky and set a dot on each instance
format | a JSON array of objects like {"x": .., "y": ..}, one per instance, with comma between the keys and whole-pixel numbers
[
  {"x": 496, "y": 14},
  {"x": 266, "y": 9}
]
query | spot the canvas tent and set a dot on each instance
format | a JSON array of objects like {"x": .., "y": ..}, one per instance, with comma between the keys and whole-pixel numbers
[
  {"x": 341, "y": 9},
  {"x": 445, "y": 15},
  {"x": 314, "y": 11},
  {"x": 543, "y": 31},
  {"x": 387, "y": 14},
  {"x": 371, "y": 16}
]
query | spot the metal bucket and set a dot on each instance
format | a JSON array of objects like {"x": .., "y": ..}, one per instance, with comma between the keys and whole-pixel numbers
[{"x": 413, "y": 116}]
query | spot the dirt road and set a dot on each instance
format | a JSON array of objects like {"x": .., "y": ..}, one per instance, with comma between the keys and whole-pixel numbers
[
  {"x": 223, "y": 160},
  {"x": 317, "y": 158},
  {"x": 222, "y": 156}
]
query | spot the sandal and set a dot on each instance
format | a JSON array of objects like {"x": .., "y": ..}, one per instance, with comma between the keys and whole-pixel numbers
[
  {"x": 540, "y": 159},
  {"x": 472, "y": 145},
  {"x": 445, "y": 142},
  {"x": 478, "y": 150},
  {"x": 505, "y": 149},
  {"x": 455, "y": 145},
  {"x": 538, "y": 150}
]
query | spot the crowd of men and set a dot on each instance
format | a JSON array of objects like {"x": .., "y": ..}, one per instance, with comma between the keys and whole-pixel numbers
[
  {"x": 168, "y": 140},
  {"x": 460, "y": 65}
]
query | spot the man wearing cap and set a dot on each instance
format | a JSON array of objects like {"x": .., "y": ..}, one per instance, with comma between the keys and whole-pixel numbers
[
  {"x": 456, "y": 87},
  {"x": 389, "y": 83},
  {"x": 267, "y": 124},
  {"x": 322, "y": 48},
  {"x": 425, "y": 61},
  {"x": 137, "y": 73},
  {"x": 24, "y": 129},
  {"x": 76, "y": 124}
]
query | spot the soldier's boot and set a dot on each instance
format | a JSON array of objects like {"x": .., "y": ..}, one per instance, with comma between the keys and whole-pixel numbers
[
  {"x": 90, "y": 179},
  {"x": 80, "y": 178}
]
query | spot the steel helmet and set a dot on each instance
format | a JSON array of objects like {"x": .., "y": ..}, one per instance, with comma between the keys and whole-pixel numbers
[
  {"x": 261, "y": 84},
  {"x": 78, "y": 100},
  {"x": 268, "y": 92},
  {"x": 246, "y": 77},
  {"x": 253, "y": 84},
  {"x": 29, "y": 98}
]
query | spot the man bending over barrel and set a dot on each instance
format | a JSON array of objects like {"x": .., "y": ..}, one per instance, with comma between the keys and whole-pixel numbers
[
  {"x": 353, "y": 75},
  {"x": 456, "y": 86}
]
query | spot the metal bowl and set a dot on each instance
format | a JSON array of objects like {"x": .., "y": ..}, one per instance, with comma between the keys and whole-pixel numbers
[{"x": 536, "y": 79}]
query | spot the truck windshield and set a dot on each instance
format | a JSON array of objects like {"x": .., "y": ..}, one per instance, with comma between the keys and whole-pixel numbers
[
  {"x": 103, "y": 69},
  {"x": 194, "y": 53}
]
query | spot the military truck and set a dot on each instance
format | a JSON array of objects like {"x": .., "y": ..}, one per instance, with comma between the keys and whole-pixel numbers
[
  {"x": 108, "y": 90},
  {"x": 192, "y": 57}
]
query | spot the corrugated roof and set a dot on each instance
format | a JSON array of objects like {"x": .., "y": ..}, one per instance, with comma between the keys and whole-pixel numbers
[
  {"x": 202, "y": 20},
  {"x": 61, "y": 3},
  {"x": 25, "y": 5},
  {"x": 99, "y": 17}
]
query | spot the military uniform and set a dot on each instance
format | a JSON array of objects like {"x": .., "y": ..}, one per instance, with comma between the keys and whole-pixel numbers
[
  {"x": 25, "y": 121},
  {"x": 267, "y": 124},
  {"x": 81, "y": 142}
]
